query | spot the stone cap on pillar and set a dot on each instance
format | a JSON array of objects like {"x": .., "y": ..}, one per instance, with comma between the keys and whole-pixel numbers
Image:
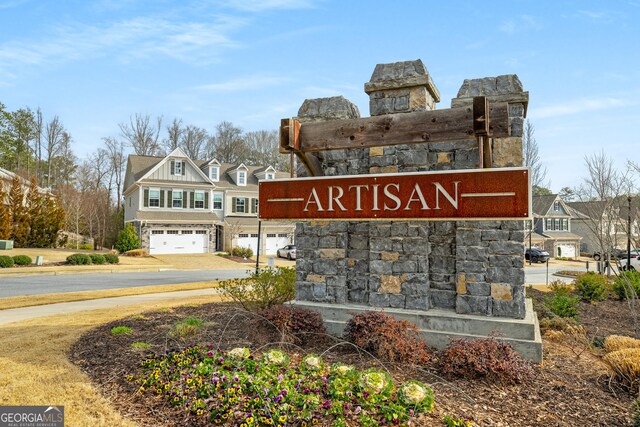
[
  {"x": 398, "y": 75},
  {"x": 325, "y": 109},
  {"x": 505, "y": 88}
]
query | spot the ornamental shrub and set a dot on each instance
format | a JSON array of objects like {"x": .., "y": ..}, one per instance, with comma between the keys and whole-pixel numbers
[
  {"x": 85, "y": 246},
  {"x": 484, "y": 358},
  {"x": 263, "y": 289},
  {"x": 22, "y": 260},
  {"x": 127, "y": 239},
  {"x": 112, "y": 258},
  {"x": 289, "y": 324},
  {"x": 79, "y": 259},
  {"x": 136, "y": 252},
  {"x": 387, "y": 338},
  {"x": 562, "y": 305},
  {"x": 242, "y": 252},
  {"x": 6, "y": 261},
  {"x": 97, "y": 259},
  {"x": 623, "y": 284},
  {"x": 592, "y": 286},
  {"x": 618, "y": 342},
  {"x": 624, "y": 365}
]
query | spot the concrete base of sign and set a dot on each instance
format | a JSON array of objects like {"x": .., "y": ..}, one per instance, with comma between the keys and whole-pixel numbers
[{"x": 438, "y": 325}]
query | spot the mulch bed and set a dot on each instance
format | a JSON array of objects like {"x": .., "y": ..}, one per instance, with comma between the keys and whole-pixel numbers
[{"x": 571, "y": 387}]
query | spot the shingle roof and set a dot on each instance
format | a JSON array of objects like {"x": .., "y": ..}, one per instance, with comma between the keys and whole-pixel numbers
[{"x": 542, "y": 204}]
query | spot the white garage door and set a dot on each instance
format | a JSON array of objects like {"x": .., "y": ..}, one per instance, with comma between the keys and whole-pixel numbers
[
  {"x": 178, "y": 242},
  {"x": 248, "y": 241},
  {"x": 566, "y": 251},
  {"x": 274, "y": 242}
]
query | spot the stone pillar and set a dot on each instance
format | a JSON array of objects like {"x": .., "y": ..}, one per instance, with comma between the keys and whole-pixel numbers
[
  {"x": 490, "y": 273},
  {"x": 323, "y": 270}
]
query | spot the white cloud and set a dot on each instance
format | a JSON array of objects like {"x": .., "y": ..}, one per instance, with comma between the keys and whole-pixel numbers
[
  {"x": 520, "y": 24},
  {"x": 261, "y": 5},
  {"x": 578, "y": 106},
  {"x": 244, "y": 83},
  {"x": 135, "y": 38}
]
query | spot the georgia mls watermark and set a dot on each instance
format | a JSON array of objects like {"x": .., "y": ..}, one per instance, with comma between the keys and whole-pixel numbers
[{"x": 31, "y": 416}]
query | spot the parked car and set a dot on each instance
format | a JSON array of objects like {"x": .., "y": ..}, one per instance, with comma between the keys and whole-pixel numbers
[
  {"x": 288, "y": 252},
  {"x": 616, "y": 254},
  {"x": 536, "y": 255},
  {"x": 635, "y": 263}
]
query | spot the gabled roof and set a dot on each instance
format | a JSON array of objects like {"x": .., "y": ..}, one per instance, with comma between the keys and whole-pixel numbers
[
  {"x": 140, "y": 167},
  {"x": 542, "y": 204},
  {"x": 591, "y": 209}
]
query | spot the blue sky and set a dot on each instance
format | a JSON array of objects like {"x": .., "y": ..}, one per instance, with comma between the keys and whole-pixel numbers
[{"x": 95, "y": 63}]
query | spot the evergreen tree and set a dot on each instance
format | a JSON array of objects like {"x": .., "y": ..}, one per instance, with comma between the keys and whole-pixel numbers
[
  {"x": 127, "y": 239},
  {"x": 5, "y": 215},
  {"x": 19, "y": 214},
  {"x": 55, "y": 216},
  {"x": 37, "y": 216}
]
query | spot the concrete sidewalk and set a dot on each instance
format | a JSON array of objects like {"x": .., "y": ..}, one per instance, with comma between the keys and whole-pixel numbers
[{"x": 18, "y": 314}]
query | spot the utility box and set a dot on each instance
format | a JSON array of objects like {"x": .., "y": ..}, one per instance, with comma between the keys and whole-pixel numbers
[
  {"x": 6, "y": 245},
  {"x": 39, "y": 260}
]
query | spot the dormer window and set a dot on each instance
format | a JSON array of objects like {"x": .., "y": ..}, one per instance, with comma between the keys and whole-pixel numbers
[
  {"x": 556, "y": 206},
  {"x": 270, "y": 175},
  {"x": 242, "y": 178},
  {"x": 177, "y": 167},
  {"x": 214, "y": 173}
]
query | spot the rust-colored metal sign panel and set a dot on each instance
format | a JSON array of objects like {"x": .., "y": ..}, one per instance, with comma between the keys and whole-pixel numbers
[{"x": 474, "y": 194}]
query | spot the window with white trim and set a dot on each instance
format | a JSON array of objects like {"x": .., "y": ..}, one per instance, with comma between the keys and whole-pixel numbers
[
  {"x": 172, "y": 231},
  {"x": 187, "y": 231},
  {"x": 242, "y": 178},
  {"x": 177, "y": 168},
  {"x": 254, "y": 206},
  {"x": 243, "y": 235},
  {"x": 176, "y": 199},
  {"x": 157, "y": 231},
  {"x": 271, "y": 235},
  {"x": 201, "y": 231},
  {"x": 154, "y": 197},
  {"x": 548, "y": 223},
  {"x": 270, "y": 175},
  {"x": 254, "y": 235},
  {"x": 217, "y": 201},
  {"x": 557, "y": 221},
  {"x": 241, "y": 205},
  {"x": 214, "y": 173},
  {"x": 199, "y": 200}
]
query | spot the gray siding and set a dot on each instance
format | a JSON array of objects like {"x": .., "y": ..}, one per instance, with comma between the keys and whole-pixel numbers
[
  {"x": 164, "y": 173},
  {"x": 131, "y": 205}
]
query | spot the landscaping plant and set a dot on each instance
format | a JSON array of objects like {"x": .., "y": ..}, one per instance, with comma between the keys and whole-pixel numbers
[
  {"x": 242, "y": 252},
  {"x": 236, "y": 388},
  {"x": 592, "y": 286},
  {"x": 121, "y": 330},
  {"x": 79, "y": 259},
  {"x": 97, "y": 259},
  {"x": 187, "y": 328},
  {"x": 136, "y": 252},
  {"x": 263, "y": 289},
  {"x": 388, "y": 338},
  {"x": 484, "y": 358},
  {"x": 6, "y": 261},
  {"x": 625, "y": 283},
  {"x": 127, "y": 239},
  {"x": 112, "y": 258},
  {"x": 22, "y": 259}
]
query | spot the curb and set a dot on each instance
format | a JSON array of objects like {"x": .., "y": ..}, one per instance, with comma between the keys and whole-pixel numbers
[{"x": 82, "y": 271}]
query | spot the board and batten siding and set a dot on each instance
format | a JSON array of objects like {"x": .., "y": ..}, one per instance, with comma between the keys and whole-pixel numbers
[{"x": 164, "y": 173}]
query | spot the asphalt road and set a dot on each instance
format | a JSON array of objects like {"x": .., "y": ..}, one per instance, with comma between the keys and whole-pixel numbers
[
  {"x": 35, "y": 285},
  {"x": 538, "y": 275}
]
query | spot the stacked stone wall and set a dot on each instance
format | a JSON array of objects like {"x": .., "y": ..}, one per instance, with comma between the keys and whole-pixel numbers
[{"x": 473, "y": 267}]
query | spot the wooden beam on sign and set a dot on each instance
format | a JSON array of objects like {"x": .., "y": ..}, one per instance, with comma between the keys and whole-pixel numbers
[
  {"x": 481, "y": 129},
  {"x": 392, "y": 129},
  {"x": 290, "y": 143}
]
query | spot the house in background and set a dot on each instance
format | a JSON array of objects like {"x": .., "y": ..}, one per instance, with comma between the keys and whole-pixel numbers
[
  {"x": 603, "y": 225},
  {"x": 181, "y": 205},
  {"x": 552, "y": 227}
]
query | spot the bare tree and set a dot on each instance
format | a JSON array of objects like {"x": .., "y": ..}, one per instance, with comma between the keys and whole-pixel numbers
[
  {"x": 55, "y": 138},
  {"x": 600, "y": 198},
  {"x": 531, "y": 157},
  {"x": 263, "y": 146},
  {"x": 37, "y": 143},
  {"x": 193, "y": 141},
  {"x": 174, "y": 132},
  {"x": 142, "y": 135},
  {"x": 229, "y": 146},
  {"x": 117, "y": 161}
]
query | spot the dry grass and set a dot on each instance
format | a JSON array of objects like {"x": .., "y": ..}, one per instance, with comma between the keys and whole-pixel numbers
[
  {"x": 34, "y": 369},
  {"x": 32, "y": 300},
  {"x": 625, "y": 366},
  {"x": 618, "y": 342}
]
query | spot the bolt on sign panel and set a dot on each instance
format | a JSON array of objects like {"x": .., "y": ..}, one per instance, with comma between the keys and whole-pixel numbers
[{"x": 477, "y": 194}]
